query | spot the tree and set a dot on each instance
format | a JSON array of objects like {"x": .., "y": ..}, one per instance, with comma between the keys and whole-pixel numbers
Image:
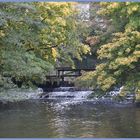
[
  {"x": 34, "y": 36},
  {"x": 120, "y": 56},
  {"x": 62, "y": 31},
  {"x": 19, "y": 31}
]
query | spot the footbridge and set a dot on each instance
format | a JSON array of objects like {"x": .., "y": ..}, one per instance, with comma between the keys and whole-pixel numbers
[{"x": 65, "y": 76}]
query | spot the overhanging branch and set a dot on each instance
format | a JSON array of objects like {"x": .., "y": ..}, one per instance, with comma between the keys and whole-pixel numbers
[{"x": 46, "y": 48}]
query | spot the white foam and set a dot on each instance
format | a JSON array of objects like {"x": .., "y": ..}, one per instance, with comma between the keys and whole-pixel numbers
[{"x": 67, "y": 94}]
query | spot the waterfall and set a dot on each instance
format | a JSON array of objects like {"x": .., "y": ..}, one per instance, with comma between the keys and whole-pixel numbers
[{"x": 68, "y": 93}]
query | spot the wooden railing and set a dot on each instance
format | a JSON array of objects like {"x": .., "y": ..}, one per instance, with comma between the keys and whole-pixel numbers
[{"x": 62, "y": 72}]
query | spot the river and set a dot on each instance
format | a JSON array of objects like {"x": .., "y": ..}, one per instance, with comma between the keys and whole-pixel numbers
[{"x": 68, "y": 118}]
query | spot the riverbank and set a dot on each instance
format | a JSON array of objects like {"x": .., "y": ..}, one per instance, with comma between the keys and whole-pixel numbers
[{"x": 18, "y": 94}]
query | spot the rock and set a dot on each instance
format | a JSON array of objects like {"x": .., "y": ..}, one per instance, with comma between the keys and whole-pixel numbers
[
  {"x": 137, "y": 103},
  {"x": 3, "y": 102}
]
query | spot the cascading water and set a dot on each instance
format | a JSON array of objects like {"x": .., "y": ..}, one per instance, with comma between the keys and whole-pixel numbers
[
  {"x": 63, "y": 97},
  {"x": 68, "y": 93}
]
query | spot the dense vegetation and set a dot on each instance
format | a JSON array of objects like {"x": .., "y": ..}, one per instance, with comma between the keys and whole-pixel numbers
[
  {"x": 35, "y": 37},
  {"x": 119, "y": 52}
]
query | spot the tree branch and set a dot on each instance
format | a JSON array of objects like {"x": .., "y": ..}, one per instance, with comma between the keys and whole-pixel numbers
[{"x": 32, "y": 49}]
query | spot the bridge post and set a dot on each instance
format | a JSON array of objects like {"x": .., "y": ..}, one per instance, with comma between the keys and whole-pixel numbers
[
  {"x": 62, "y": 77},
  {"x": 80, "y": 73},
  {"x": 58, "y": 73}
]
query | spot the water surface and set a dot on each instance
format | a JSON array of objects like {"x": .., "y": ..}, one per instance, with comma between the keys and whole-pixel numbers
[{"x": 50, "y": 118}]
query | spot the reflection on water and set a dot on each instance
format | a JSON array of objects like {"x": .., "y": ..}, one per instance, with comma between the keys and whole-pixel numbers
[{"x": 59, "y": 119}]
